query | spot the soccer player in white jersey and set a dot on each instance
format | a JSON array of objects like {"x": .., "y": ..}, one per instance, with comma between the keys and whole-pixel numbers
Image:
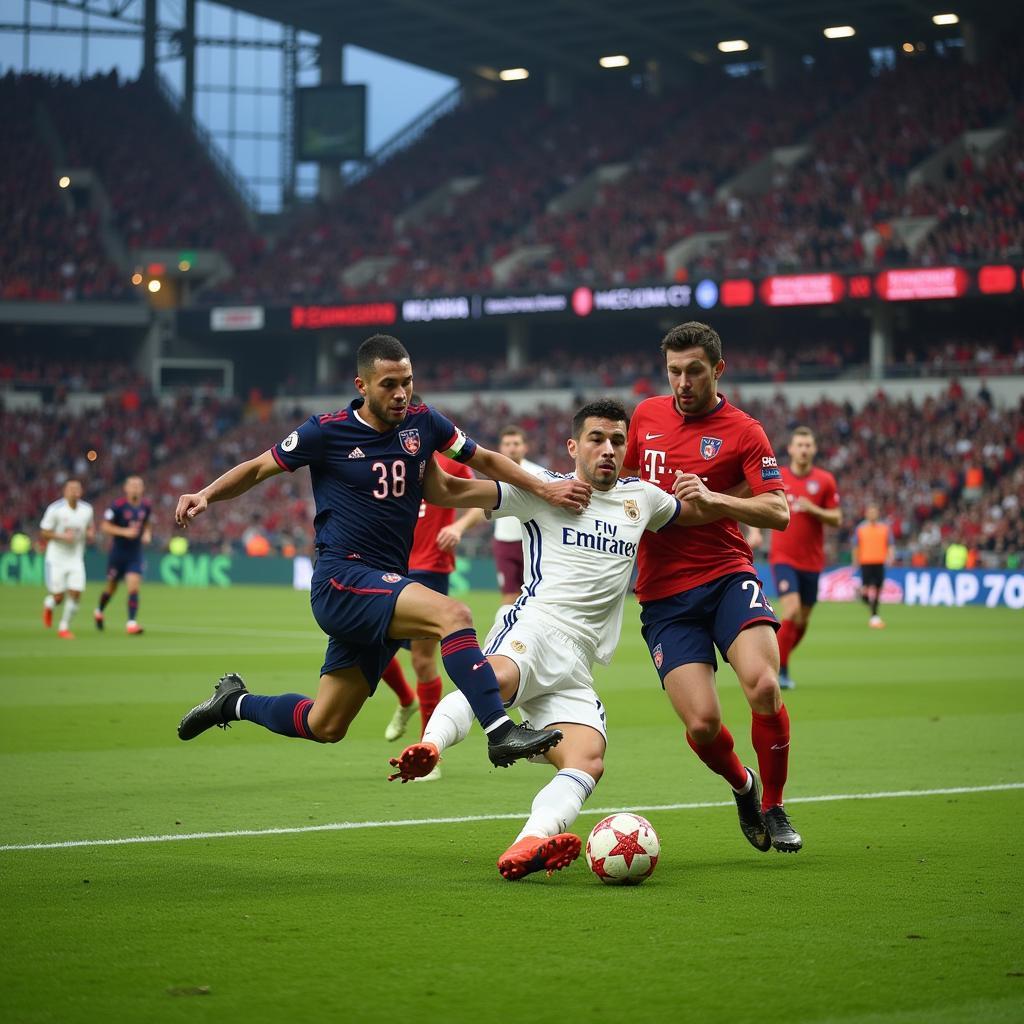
[
  {"x": 568, "y": 616},
  {"x": 66, "y": 526}
]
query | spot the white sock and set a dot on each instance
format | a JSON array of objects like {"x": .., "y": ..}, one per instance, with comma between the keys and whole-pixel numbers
[
  {"x": 238, "y": 705},
  {"x": 746, "y": 787},
  {"x": 50, "y": 602},
  {"x": 451, "y": 721},
  {"x": 70, "y": 607},
  {"x": 558, "y": 804}
]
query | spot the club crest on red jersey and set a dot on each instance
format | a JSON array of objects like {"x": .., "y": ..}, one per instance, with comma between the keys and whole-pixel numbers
[
  {"x": 710, "y": 447},
  {"x": 410, "y": 440},
  {"x": 813, "y": 487}
]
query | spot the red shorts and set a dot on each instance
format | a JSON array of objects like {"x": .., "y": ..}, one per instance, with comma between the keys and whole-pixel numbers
[{"x": 508, "y": 561}]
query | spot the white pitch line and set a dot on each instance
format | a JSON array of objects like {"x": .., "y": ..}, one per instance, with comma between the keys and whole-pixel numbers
[{"x": 343, "y": 826}]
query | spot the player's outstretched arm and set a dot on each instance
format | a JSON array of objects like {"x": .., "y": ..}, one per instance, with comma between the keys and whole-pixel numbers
[
  {"x": 447, "y": 491},
  {"x": 767, "y": 511},
  {"x": 231, "y": 484},
  {"x": 572, "y": 495}
]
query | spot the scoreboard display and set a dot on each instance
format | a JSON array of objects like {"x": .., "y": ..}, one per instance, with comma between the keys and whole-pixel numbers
[{"x": 330, "y": 123}]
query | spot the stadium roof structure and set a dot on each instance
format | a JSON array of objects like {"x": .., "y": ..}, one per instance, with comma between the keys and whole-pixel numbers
[{"x": 467, "y": 37}]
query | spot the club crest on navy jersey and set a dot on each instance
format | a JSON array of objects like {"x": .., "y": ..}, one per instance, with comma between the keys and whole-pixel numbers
[
  {"x": 710, "y": 447},
  {"x": 410, "y": 440}
]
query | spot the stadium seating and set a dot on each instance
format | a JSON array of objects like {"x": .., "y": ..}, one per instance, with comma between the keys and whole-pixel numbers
[{"x": 49, "y": 250}]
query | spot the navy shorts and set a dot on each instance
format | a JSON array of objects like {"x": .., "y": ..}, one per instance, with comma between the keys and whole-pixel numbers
[
  {"x": 118, "y": 566},
  {"x": 354, "y": 605},
  {"x": 436, "y": 581},
  {"x": 686, "y": 629},
  {"x": 796, "y": 581},
  {"x": 872, "y": 574}
]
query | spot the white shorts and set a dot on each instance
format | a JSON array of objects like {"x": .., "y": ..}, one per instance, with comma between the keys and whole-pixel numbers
[
  {"x": 555, "y": 681},
  {"x": 64, "y": 574}
]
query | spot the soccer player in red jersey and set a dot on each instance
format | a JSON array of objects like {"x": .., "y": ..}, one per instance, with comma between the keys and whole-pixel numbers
[
  {"x": 798, "y": 552},
  {"x": 697, "y": 586},
  {"x": 431, "y": 562}
]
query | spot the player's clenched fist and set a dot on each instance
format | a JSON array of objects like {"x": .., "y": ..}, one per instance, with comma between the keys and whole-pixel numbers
[
  {"x": 189, "y": 506},
  {"x": 689, "y": 487}
]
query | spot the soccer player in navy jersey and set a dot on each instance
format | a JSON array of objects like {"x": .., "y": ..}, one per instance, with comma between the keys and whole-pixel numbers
[
  {"x": 128, "y": 522},
  {"x": 697, "y": 586},
  {"x": 368, "y": 463}
]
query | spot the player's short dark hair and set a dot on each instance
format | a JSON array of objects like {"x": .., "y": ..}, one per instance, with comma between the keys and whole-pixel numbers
[
  {"x": 512, "y": 430},
  {"x": 379, "y": 347},
  {"x": 690, "y": 335},
  {"x": 601, "y": 409},
  {"x": 803, "y": 431}
]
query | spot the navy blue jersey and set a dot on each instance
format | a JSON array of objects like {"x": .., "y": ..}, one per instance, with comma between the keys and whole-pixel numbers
[
  {"x": 368, "y": 485},
  {"x": 123, "y": 513}
]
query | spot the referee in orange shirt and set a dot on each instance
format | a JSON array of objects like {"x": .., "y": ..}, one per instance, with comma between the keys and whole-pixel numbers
[{"x": 872, "y": 551}]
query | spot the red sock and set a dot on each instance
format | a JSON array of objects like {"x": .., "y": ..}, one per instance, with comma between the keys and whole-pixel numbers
[
  {"x": 800, "y": 630},
  {"x": 720, "y": 756},
  {"x": 429, "y": 694},
  {"x": 770, "y": 737},
  {"x": 395, "y": 678},
  {"x": 788, "y": 637}
]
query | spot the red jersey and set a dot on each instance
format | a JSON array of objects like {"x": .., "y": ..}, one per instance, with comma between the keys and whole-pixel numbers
[
  {"x": 802, "y": 543},
  {"x": 724, "y": 447},
  {"x": 425, "y": 555}
]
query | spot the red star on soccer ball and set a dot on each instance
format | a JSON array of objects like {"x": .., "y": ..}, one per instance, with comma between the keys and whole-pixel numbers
[
  {"x": 626, "y": 846},
  {"x": 597, "y": 866}
]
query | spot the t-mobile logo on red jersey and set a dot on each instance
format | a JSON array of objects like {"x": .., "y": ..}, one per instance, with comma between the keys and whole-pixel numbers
[{"x": 654, "y": 464}]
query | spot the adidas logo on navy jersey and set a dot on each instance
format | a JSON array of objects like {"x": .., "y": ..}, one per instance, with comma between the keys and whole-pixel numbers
[{"x": 356, "y": 453}]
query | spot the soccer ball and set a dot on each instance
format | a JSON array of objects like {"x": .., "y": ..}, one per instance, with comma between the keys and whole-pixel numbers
[{"x": 623, "y": 849}]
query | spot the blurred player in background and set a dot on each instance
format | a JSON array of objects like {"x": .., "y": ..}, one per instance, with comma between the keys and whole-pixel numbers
[
  {"x": 66, "y": 526},
  {"x": 128, "y": 522},
  {"x": 798, "y": 552},
  {"x": 568, "y": 616},
  {"x": 697, "y": 586},
  {"x": 371, "y": 464},
  {"x": 872, "y": 550}
]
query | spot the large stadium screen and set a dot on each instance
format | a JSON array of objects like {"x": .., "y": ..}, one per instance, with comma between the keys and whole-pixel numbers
[{"x": 331, "y": 123}]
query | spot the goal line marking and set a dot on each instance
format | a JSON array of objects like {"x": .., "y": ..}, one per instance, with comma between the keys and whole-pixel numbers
[{"x": 343, "y": 826}]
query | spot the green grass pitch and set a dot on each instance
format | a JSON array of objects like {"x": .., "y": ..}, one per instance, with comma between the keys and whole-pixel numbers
[{"x": 901, "y": 908}]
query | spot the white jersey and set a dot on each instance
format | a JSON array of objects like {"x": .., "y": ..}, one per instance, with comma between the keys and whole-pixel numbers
[
  {"x": 509, "y": 528},
  {"x": 577, "y": 568},
  {"x": 60, "y": 517}
]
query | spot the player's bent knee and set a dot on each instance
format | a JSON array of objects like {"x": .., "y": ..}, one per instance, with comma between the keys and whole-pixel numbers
[
  {"x": 329, "y": 732},
  {"x": 703, "y": 729},
  {"x": 456, "y": 616}
]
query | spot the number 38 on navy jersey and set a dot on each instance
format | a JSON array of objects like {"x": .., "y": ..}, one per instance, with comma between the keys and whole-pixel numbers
[{"x": 367, "y": 485}]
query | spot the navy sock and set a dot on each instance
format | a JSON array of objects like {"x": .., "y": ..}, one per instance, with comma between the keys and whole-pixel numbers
[
  {"x": 287, "y": 715},
  {"x": 471, "y": 672},
  {"x": 133, "y": 606},
  {"x": 104, "y": 598}
]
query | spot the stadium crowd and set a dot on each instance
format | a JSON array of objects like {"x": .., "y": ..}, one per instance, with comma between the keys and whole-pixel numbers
[
  {"x": 50, "y": 249},
  {"x": 832, "y": 209},
  {"x": 943, "y": 469}
]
